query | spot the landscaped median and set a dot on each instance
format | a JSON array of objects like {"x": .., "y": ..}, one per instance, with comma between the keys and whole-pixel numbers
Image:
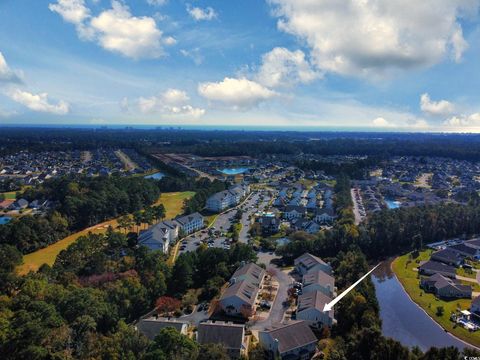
[
  {"x": 404, "y": 268},
  {"x": 173, "y": 203}
]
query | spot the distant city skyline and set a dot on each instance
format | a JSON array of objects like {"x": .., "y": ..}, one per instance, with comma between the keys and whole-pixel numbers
[{"x": 396, "y": 65}]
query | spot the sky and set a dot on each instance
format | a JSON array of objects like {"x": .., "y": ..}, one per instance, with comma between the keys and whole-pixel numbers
[{"x": 396, "y": 65}]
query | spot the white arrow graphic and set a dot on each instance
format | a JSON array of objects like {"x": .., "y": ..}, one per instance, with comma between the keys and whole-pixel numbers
[{"x": 330, "y": 305}]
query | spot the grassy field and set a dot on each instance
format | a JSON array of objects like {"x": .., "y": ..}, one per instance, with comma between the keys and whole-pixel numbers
[
  {"x": 173, "y": 203},
  {"x": 11, "y": 195},
  {"x": 403, "y": 267}
]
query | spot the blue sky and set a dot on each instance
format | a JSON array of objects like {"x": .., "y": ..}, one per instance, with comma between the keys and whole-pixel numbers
[{"x": 382, "y": 65}]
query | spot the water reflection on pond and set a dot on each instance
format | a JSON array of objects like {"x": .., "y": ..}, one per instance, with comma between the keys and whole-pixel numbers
[{"x": 402, "y": 319}]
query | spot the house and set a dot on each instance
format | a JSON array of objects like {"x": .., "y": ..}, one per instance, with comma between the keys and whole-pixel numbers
[
  {"x": 220, "y": 201},
  {"x": 294, "y": 212},
  {"x": 19, "y": 204},
  {"x": 38, "y": 204},
  {"x": 294, "y": 340},
  {"x": 238, "y": 299},
  {"x": 151, "y": 327},
  {"x": 325, "y": 215},
  {"x": 308, "y": 262},
  {"x": 229, "y": 335},
  {"x": 434, "y": 267},
  {"x": 445, "y": 287},
  {"x": 317, "y": 280},
  {"x": 156, "y": 238},
  {"x": 448, "y": 256},
  {"x": 190, "y": 223},
  {"x": 310, "y": 308},
  {"x": 270, "y": 224},
  {"x": 311, "y": 227},
  {"x": 475, "y": 306},
  {"x": 467, "y": 250}
]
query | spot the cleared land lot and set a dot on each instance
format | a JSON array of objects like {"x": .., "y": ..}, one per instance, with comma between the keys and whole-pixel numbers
[
  {"x": 173, "y": 203},
  {"x": 403, "y": 267},
  {"x": 127, "y": 162}
]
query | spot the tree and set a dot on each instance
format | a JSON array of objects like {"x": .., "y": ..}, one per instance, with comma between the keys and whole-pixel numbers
[
  {"x": 213, "y": 352},
  {"x": 440, "y": 311},
  {"x": 167, "y": 305},
  {"x": 124, "y": 222},
  {"x": 173, "y": 345},
  {"x": 159, "y": 212},
  {"x": 138, "y": 219}
]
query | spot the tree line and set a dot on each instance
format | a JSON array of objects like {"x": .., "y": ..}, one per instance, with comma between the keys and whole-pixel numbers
[
  {"x": 76, "y": 203},
  {"x": 80, "y": 307}
]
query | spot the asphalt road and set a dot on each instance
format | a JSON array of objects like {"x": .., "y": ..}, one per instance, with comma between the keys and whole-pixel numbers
[{"x": 278, "y": 310}]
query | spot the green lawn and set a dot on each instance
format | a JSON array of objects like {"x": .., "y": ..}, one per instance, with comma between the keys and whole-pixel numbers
[
  {"x": 173, "y": 203},
  {"x": 466, "y": 273},
  {"x": 11, "y": 195},
  {"x": 403, "y": 267}
]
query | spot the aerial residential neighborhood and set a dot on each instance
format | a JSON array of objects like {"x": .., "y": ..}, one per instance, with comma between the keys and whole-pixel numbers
[{"x": 241, "y": 179}]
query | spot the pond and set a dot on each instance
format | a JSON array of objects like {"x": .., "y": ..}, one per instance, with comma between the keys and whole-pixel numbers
[
  {"x": 392, "y": 204},
  {"x": 234, "y": 171},
  {"x": 4, "y": 219},
  {"x": 402, "y": 319},
  {"x": 155, "y": 176}
]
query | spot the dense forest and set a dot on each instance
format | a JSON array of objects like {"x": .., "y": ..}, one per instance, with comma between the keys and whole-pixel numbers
[
  {"x": 76, "y": 203},
  {"x": 80, "y": 307},
  {"x": 236, "y": 142}
]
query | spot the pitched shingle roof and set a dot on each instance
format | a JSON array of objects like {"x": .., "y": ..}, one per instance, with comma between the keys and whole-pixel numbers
[
  {"x": 151, "y": 327},
  {"x": 228, "y": 334},
  {"x": 292, "y": 336}
]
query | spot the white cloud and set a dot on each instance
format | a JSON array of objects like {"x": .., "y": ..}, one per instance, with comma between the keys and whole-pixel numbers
[
  {"x": 8, "y": 75},
  {"x": 458, "y": 43},
  {"x": 435, "y": 108},
  {"x": 74, "y": 12},
  {"x": 115, "y": 29},
  {"x": 464, "y": 120},
  {"x": 381, "y": 122},
  {"x": 282, "y": 67},
  {"x": 238, "y": 93},
  {"x": 365, "y": 37},
  {"x": 135, "y": 37},
  {"x": 157, "y": 2},
  {"x": 171, "y": 102},
  {"x": 169, "y": 40},
  {"x": 193, "y": 54},
  {"x": 38, "y": 102},
  {"x": 201, "y": 14}
]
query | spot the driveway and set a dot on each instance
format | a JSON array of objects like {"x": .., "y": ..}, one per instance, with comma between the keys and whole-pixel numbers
[{"x": 277, "y": 311}]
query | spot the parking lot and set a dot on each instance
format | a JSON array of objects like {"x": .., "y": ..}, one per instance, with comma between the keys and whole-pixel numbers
[{"x": 215, "y": 236}]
